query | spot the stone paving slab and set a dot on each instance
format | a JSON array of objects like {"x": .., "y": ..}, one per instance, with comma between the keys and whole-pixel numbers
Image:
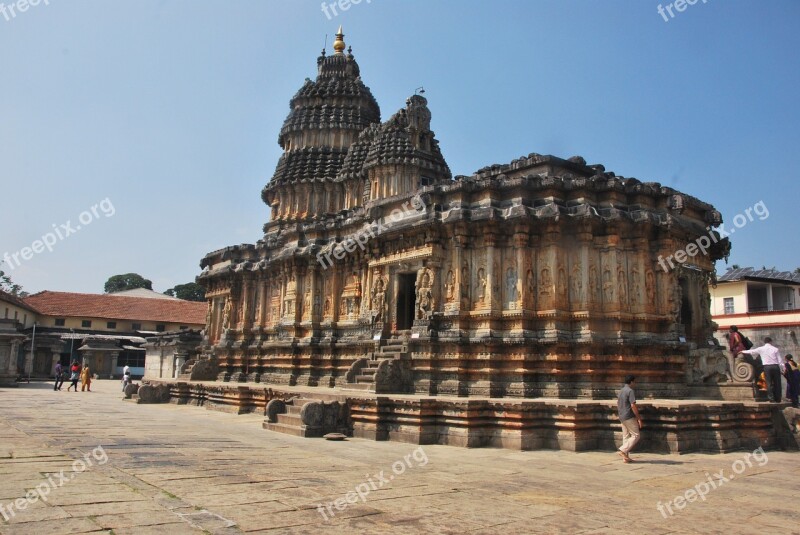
[{"x": 187, "y": 470}]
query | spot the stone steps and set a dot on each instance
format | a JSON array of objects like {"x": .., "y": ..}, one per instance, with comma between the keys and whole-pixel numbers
[
  {"x": 358, "y": 386},
  {"x": 293, "y": 430},
  {"x": 366, "y": 378},
  {"x": 293, "y": 420}
]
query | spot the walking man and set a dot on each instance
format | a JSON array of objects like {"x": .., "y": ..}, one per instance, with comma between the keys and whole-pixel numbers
[
  {"x": 629, "y": 416},
  {"x": 59, "y": 373},
  {"x": 773, "y": 367}
]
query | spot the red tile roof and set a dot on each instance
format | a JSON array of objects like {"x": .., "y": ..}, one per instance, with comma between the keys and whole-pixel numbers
[
  {"x": 66, "y": 304},
  {"x": 16, "y": 301}
]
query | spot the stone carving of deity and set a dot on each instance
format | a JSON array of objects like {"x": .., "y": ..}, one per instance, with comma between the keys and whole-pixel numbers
[
  {"x": 378, "y": 299},
  {"x": 480, "y": 288},
  {"x": 546, "y": 282},
  {"x": 327, "y": 307},
  {"x": 562, "y": 282},
  {"x": 464, "y": 282},
  {"x": 226, "y": 314},
  {"x": 608, "y": 286},
  {"x": 577, "y": 283},
  {"x": 622, "y": 283},
  {"x": 650, "y": 286},
  {"x": 511, "y": 285},
  {"x": 424, "y": 295},
  {"x": 636, "y": 287},
  {"x": 592, "y": 283},
  {"x": 450, "y": 287}
]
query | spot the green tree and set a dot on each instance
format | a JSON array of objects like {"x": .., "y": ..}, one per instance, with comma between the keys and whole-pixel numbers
[
  {"x": 191, "y": 291},
  {"x": 8, "y": 286},
  {"x": 128, "y": 281}
]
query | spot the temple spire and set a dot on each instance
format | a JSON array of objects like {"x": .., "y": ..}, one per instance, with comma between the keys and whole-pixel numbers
[{"x": 338, "y": 44}]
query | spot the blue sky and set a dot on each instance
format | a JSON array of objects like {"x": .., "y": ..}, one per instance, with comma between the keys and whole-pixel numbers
[{"x": 171, "y": 110}]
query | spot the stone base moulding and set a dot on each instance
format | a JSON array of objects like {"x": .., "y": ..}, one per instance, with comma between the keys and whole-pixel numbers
[{"x": 671, "y": 426}]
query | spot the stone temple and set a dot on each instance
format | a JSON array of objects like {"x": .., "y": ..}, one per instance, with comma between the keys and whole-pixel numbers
[{"x": 490, "y": 309}]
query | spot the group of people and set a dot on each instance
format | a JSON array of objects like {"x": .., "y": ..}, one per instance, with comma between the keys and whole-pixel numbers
[
  {"x": 76, "y": 373},
  {"x": 773, "y": 365},
  {"x": 84, "y": 375}
]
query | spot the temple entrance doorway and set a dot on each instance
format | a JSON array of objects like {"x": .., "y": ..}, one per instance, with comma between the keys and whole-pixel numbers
[{"x": 406, "y": 300}]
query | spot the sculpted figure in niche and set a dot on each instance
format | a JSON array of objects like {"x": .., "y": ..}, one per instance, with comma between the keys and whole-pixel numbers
[
  {"x": 378, "y": 299},
  {"x": 511, "y": 285},
  {"x": 622, "y": 283},
  {"x": 226, "y": 314},
  {"x": 327, "y": 307},
  {"x": 577, "y": 283},
  {"x": 480, "y": 288},
  {"x": 650, "y": 287},
  {"x": 608, "y": 286},
  {"x": 546, "y": 282},
  {"x": 496, "y": 282},
  {"x": 424, "y": 295},
  {"x": 450, "y": 287},
  {"x": 562, "y": 282},
  {"x": 636, "y": 287}
]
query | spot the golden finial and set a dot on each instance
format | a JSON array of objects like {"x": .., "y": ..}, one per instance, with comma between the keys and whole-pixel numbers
[{"x": 338, "y": 44}]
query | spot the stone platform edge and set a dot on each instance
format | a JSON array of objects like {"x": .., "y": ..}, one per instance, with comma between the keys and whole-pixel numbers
[{"x": 670, "y": 426}]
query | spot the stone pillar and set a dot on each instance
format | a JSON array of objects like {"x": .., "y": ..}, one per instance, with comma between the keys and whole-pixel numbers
[
  {"x": 316, "y": 296},
  {"x": 520, "y": 246},
  {"x": 113, "y": 358},
  {"x": 492, "y": 300},
  {"x": 180, "y": 359},
  {"x": 263, "y": 302},
  {"x": 585, "y": 245},
  {"x": 247, "y": 295}
]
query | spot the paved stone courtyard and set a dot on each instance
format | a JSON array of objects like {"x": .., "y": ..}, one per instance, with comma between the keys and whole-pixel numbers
[{"x": 179, "y": 469}]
